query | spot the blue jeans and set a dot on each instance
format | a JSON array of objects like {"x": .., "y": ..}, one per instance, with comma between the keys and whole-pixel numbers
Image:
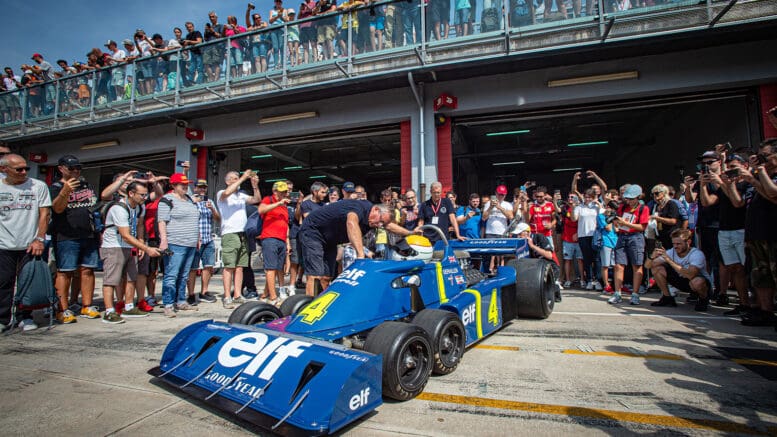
[
  {"x": 176, "y": 273},
  {"x": 195, "y": 65},
  {"x": 74, "y": 253},
  {"x": 411, "y": 17}
]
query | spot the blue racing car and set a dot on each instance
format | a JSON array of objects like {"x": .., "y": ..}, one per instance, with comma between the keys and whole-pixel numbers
[{"x": 380, "y": 329}]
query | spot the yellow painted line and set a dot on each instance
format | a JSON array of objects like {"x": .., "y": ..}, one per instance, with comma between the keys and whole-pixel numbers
[
  {"x": 497, "y": 348},
  {"x": 595, "y": 413},
  {"x": 478, "y": 311},
  {"x": 749, "y": 362},
  {"x": 624, "y": 354},
  {"x": 441, "y": 284}
]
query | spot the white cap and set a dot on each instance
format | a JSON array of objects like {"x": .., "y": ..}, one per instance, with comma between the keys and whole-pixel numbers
[{"x": 521, "y": 227}]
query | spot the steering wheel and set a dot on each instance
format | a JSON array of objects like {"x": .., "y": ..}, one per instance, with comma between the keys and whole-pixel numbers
[{"x": 438, "y": 231}]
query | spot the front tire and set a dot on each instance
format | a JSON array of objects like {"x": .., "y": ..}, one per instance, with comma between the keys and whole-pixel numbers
[
  {"x": 535, "y": 287},
  {"x": 293, "y": 304},
  {"x": 407, "y": 358},
  {"x": 448, "y": 338},
  {"x": 252, "y": 313}
]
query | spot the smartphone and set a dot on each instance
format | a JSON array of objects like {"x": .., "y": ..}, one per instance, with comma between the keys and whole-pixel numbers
[
  {"x": 732, "y": 172},
  {"x": 140, "y": 175},
  {"x": 179, "y": 163},
  {"x": 727, "y": 146},
  {"x": 659, "y": 245},
  {"x": 294, "y": 196}
]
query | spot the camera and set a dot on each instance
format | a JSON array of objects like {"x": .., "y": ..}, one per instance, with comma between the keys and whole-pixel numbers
[
  {"x": 732, "y": 172},
  {"x": 181, "y": 123},
  {"x": 609, "y": 217},
  {"x": 251, "y": 6},
  {"x": 140, "y": 175},
  {"x": 166, "y": 252}
]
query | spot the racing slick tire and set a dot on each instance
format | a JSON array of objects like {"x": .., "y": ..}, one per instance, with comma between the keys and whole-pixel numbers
[
  {"x": 294, "y": 303},
  {"x": 251, "y": 313},
  {"x": 534, "y": 287},
  {"x": 407, "y": 358},
  {"x": 448, "y": 338}
]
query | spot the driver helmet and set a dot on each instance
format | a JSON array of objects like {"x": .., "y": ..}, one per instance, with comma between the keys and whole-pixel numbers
[{"x": 413, "y": 247}]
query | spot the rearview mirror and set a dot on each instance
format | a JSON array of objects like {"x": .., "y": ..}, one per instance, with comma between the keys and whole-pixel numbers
[{"x": 407, "y": 281}]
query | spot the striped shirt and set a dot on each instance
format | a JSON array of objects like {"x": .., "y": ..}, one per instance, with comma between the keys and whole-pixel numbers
[
  {"x": 206, "y": 223},
  {"x": 182, "y": 221}
]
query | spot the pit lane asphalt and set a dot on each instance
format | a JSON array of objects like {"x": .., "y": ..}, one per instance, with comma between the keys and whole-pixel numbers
[{"x": 591, "y": 368}]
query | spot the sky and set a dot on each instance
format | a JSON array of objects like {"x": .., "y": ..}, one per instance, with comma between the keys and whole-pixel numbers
[{"x": 68, "y": 29}]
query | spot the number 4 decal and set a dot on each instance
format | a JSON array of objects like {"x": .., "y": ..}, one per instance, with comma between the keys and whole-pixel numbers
[
  {"x": 316, "y": 310},
  {"x": 493, "y": 310}
]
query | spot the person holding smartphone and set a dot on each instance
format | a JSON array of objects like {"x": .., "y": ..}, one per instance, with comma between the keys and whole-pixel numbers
[{"x": 469, "y": 217}]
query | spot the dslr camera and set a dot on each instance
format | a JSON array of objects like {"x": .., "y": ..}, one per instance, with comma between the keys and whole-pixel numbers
[
  {"x": 166, "y": 252},
  {"x": 611, "y": 215}
]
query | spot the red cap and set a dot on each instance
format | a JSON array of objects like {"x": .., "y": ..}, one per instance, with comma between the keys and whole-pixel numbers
[
  {"x": 179, "y": 178},
  {"x": 501, "y": 189},
  {"x": 38, "y": 55}
]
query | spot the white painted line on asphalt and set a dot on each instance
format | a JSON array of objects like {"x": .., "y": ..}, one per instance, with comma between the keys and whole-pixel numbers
[{"x": 670, "y": 316}]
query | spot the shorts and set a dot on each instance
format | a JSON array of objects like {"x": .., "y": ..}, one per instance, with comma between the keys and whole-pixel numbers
[
  {"x": 146, "y": 70},
  {"x": 273, "y": 253},
  {"x": 325, "y": 32},
  {"x": 260, "y": 49},
  {"x": 213, "y": 54},
  {"x": 683, "y": 284},
  {"x": 307, "y": 34},
  {"x": 571, "y": 251},
  {"x": 148, "y": 265},
  {"x": 320, "y": 259},
  {"x": 236, "y": 56},
  {"x": 439, "y": 11},
  {"x": 117, "y": 77},
  {"x": 294, "y": 254},
  {"x": 764, "y": 273},
  {"x": 207, "y": 254},
  {"x": 118, "y": 264},
  {"x": 606, "y": 256},
  {"x": 71, "y": 254},
  {"x": 732, "y": 246},
  {"x": 234, "y": 250},
  {"x": 378, "y": 22},
  {"x": 461, "y": 16},
  {"x": 630, "y": 249}
]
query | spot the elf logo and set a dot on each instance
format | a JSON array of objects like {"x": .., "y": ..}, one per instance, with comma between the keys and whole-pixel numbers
[
  {"x": 254, "y": 349},
  {"x": 359, "y": 400},
  {"x": 468, "y": 314}
]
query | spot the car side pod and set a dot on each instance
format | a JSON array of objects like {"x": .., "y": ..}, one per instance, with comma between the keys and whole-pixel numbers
[{"x": 289, "y": 384}]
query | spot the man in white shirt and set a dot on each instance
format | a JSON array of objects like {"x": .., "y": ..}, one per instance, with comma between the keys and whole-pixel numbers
[
  {"x": 684, "y": 267},
  {"x": 497, "y": 214},
  {"x": 117, "y": 74},
  {"x": 234, "y": 247}
]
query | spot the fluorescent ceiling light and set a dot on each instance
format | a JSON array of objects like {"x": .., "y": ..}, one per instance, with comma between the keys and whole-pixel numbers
[
  {"x": 275, "y": 180},
  {"x": 293, "y": 167},
  {"x": 590, "y": 143},
  {"x": 109, "y": 143},
  {"x": 261, "y": 156},
  {"x": 288, "y": 117},
  {"x": 559, "y": 170},
  {"x": 337, "y": 149},
  {"x": 582, "y": 80},
  {"x": 317, "y": 177},
  {"x": 509, "y": 163},
  {"x": 511, "y": 132}
]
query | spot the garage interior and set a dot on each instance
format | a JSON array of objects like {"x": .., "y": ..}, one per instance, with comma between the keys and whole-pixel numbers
[{"x": 647, "y": 142}]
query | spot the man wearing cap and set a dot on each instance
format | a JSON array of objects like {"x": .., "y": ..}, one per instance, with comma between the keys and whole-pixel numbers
[
  {"x": 76, "y": 244},
  {"x": 44, "y": 69},
  {"x": 497, "y": 214},
  {"x": 234, "y": 247},
  {"x": 348, "y": 190},
  {"x": 437, "y": 211},
  {"x": 206, "y": 251},
  {"x": 274, "y": 237},
  {"x": 117, "y": 73},
  {"x": 632, "y": 217},
  {"x": 539, "y": 245}
]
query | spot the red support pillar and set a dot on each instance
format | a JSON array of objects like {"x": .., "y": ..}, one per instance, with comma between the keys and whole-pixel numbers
[
  {"x": 405, "y": 155},
  {"x": 202, "y": 163},
  {"x": 768, "y": 95},
  {"x": 445, "y": 156}
]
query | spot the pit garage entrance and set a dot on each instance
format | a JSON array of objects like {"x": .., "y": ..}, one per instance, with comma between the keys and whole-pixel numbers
[{"x": 647, "y": 141}]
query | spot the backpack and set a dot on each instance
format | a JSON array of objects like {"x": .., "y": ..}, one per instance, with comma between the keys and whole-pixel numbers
[
  {"x": 253, "y": 229},
  {"x": 100, "y": 214},
  {"x": 34, "y": 289}
]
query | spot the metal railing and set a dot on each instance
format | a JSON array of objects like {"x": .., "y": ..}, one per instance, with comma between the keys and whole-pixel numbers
[{"x": 277, "y": 58}]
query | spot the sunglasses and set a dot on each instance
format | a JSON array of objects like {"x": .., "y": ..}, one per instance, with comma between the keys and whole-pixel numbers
[
  {"x": 4, "y": 153},
  {"x": 76, "y": 168},
  {"x": 656, "y": 193},
  {"x": 21, "y": 169}
]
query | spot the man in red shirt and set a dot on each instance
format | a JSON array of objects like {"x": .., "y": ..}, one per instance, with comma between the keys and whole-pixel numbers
[
  {"x": 539, "y": 214},
  {"x": 630, "y": 248},
  {"x": 275, "y": 237}
]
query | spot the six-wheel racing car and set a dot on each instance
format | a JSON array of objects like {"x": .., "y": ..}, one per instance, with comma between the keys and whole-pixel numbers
[{"x": 380, "y": 329}]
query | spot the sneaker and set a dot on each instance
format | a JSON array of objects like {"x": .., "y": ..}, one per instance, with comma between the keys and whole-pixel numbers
[
  {"x": 702, "y": 304},
  {"x": 759, "y": 318},
  {"x": 722, "y": 300},
  {"x": 560, "y": 287},
  {"x": 274, "y": 302},
  {"x": 192, "y": 300},
  {"x": 119, "y": 308},
  {"x": 227, "y": 302},
  {"x": 665, "y": 301},
  {"x": 76, "y": 308},
  {"x": 625, "y": 290},
  {"x": 151, "y": 301},
  {"x": 169, "y": 312},
  {"x": 28, "y": 325},
  {"x": 693, "y": 297},
  {"x": 673, "y": 291},
  {"x": 597, "y": 285},
  {"x": 634, "y": 299},
  {"x": 112, "y": 318},
  {"x": 66, "y": 316},
  {"x": 651, "y": 283},
  {"x": 145, "y": 307},
  {"x": 642, "y": 290},
  {"x": 206, "y": 297},
  {"x": 608, "y": 289},
  {"x": 240, "y": 299},
  {"x": 135, "y": 312},
  {"x": 737, "y": 311},
  {"x": 589, "y": 286},
  {"x": 616, "y": 298},
  {"x": 90, "y": 312},
  {"x": 249, "y": 295},
  {"x": 186, "y": 307},
  {"x": 567, "y": 284}
]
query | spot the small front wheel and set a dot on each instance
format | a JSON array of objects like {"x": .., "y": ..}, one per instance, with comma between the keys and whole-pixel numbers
[{"x": 407, "y": 358}]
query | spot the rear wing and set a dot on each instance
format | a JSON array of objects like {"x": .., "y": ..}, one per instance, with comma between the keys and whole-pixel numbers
[{"x": 517, "y": 247}]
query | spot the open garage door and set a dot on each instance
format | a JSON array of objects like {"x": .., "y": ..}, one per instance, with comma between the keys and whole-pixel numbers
[{"x": 646, "y": 142}]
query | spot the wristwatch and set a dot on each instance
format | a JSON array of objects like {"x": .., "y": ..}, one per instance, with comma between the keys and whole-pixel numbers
[{"x": 41, "y": 239}]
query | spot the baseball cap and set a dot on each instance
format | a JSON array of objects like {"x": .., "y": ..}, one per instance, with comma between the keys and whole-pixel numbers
[
  {"x": 110, "y": 41},
  {"x": 69, "y": 161},
  {"x": 36, "y": 55},
  {"x": 156, "y": 35},
  {"x": 501, "y": 189},
  {"x": 709, "y": 155},
  {"x": 202, "y": 183},
  {"x": 632, "y": 192},
  {"x": 280, "y": 186},
  {"x": 349, "y": 187},
  {"x": 737, "y": 158},
  {"x": 521, "y": 227},
  {"x": 127, "y": 41},
  {"x": 179, "y": 178}
]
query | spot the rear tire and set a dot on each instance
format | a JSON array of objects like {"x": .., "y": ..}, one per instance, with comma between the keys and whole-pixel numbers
[
  {"x": 407, "y": 358},
  {"x": 252, "y": 313},
  {"x": 535, "y": 287},
  {"x": 448, "y": 338},
  {"x": 293, "y": 304}
]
